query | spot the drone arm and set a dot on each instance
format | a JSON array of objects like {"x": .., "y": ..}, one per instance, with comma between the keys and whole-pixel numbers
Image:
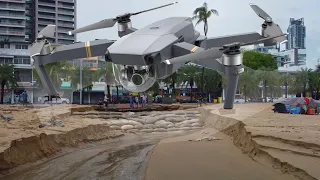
[
  {"x": 222, "y": 40},
  {"x": 185, "y": 52},
  {"x": 75, "y": 51},
  {"x": 42, "y": 55}
]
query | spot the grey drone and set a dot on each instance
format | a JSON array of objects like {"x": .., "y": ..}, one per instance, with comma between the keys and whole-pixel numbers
[{"x": 141, "y": 56}]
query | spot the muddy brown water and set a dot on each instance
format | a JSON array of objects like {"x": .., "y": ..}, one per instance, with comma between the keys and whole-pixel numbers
[{"x": 122, "y": 158}]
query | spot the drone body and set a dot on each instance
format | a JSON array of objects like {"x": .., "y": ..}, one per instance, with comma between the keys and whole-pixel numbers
[{"x": 140, "y": 57}]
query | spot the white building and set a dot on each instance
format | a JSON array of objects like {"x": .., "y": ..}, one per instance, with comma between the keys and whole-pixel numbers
[{"x": 286, "y": 59}]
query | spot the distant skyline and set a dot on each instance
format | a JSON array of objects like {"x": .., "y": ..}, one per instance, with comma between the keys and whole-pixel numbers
[{"x": 235, "y": 16}]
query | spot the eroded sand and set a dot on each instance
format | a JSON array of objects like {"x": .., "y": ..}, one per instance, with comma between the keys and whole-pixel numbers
[
  {"x": 179, "y": 158},
  {"x": 23, "y": 140}
]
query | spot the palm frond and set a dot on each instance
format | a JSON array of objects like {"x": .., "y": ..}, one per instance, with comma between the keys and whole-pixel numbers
[{"x": 215, "y": 12}]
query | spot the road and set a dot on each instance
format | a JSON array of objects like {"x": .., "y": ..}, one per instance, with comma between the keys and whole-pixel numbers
[{"x": 122, "y": 158}]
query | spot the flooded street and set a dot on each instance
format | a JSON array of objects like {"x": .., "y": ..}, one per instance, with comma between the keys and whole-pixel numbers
[{"x": 122, "y": 158}]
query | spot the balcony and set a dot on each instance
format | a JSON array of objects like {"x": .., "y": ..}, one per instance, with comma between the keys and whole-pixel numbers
[
  {"x": 60, "y": 5},
  {"x": 69, "y": 1},
  {"x": 65, "y": 41},
  {"x": 66, "y": 18},
  {"x": 47, "y": 16},
  {"x": 60, "y": 11},
  {"x": 70, "y": 25},
  {"x": 12, "y": 16},
  {"x": 10, "y": 7},
  {"x": 11, "y": 32},
  {"x": 13, "y": 24},
  {"x": 41, "y": 9},
  {"x": 13, "y": 39},
  {"x": 45, "y": 22},
  {"x": 64, "y": 30},
  {"x": 17, "y": 1},
  {"x": 46, "y": 4},
  {"x": 64, "y": 36}
]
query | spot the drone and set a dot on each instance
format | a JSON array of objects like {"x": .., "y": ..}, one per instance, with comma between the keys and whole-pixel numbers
[{"x": 142, "y": 56}]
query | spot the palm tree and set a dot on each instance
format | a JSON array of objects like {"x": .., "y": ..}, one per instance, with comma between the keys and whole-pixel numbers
[
  {"x": 7, "y": 78},
  {"x": 287, "y": 80},
  {"x": 265, "y": 76},
  {"x": 248, "y": 83},
  {"x": 172, "y": 79},
  {"x": 302, "y": 80},
  {"x": 189, "y": 73},
  {"x": 202, "y": 14},
  {"x": 315, "y": 83},
  {"x": 58, "y": 70},
  {"x": 86, "y": 79},
  {"x": 106, "y": 71},
  {"x": 275, "y": 85}
]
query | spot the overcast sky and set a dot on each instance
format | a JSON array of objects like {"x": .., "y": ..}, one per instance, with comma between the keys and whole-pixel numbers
[{"x": 235, "y": 16}]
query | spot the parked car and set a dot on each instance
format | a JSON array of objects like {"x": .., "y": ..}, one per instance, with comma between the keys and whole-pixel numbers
[
  {"x": 239, "y": 100},
  {"x": 55, "y": 100}
]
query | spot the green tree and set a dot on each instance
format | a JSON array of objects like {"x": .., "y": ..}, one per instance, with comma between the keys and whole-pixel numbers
[
  {"x": 257, "y": 60},
  {"x": 274, "y": 84},
  {"x": 172, "y": 79},
  {"x": 189, "y": 74},
  {"x": 106, "y": 71},
  {"x": 302, "y": 80},
  {"x": 266, "y": 77},
  {"x": 287, "y": 80},
  {"x": 154, "y": 89},
  {"x": 248, "y": 83},
  {"x": 212, "y": 81},
  {"x": 201, "y": 15},
  {"x": 314, "y": 81},
  {"x": 7, "y": 78},
  {"x": 87, "y": 77},
  {"x": 56, "y": 71}
]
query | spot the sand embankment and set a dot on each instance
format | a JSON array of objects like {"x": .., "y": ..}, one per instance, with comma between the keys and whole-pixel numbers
[
  {"x": 23, "y": 141},
  {"x": 33, "y": 134},
  {"x": 288, "y": 144}
]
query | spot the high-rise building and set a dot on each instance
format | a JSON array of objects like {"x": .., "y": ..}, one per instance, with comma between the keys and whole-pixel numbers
[
  {"x": 62, "y": 13},
  {"x": 296, "y": 34},
  {"x": 20, "y": 23},
  {"x": 22, "y": 20}
]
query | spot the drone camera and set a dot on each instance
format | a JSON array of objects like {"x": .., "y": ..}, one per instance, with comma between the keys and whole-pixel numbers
[{"x": 150, "y": 58}]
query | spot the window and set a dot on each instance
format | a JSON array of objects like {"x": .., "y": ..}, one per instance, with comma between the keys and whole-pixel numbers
[
  {"x": 4, "y": 46},
  {"x": 5, "y": 60},
  {"x": 22, "y": 60},
  {"x": 18, "y": 46}
]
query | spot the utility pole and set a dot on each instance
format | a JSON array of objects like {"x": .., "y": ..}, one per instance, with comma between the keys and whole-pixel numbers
[{"x": 81, "y": 81}]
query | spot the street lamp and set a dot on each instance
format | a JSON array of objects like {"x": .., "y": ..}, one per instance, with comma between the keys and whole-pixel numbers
[{"x": 81, "y": 62}]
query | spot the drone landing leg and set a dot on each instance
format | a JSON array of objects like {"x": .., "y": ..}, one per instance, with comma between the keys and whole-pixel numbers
[
  {"x": 232, "y": 73},
  {"x": 45, "y": 79}
]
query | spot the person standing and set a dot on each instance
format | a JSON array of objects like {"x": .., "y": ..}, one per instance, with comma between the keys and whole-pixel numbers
[
  {"x": 137, "y": 100},
  {"x": 131, "y": 101},
  {"x": 144, "y": 100},
  {"x": 106, "y": 99}
]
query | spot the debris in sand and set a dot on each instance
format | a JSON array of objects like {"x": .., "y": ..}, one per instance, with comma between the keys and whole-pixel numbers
[
  {"x": 5, "y": 118},
  {"x": 54, "y": 122},
  {"x": 205, "y": 139}
]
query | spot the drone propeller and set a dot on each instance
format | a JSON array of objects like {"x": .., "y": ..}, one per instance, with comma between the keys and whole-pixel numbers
[
  {"x": 216, "y": 52},
  {"x": 261, "y": 13},
  {"x": 47, "y": 32},
  {"x": 107, "y": 23}
]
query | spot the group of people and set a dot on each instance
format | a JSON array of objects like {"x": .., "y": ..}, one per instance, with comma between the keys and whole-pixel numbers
[
  {"x": 137, "y": 101},
  {"x": 21, "y": 98}
]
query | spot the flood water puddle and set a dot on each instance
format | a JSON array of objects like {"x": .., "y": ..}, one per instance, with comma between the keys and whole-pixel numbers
[{"x": 123, "y": 158}]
